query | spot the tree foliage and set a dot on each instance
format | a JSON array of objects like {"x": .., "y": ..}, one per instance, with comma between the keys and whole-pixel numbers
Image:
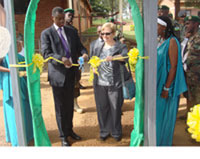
[
  {"x": 99, "y": 7},
  {"x": 192, "y": 3},
  {"x": 103, "y": 7}
]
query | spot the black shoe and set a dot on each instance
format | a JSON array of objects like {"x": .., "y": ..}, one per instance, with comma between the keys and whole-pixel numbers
[
  {"x": 103, "y": 138},
  {"x": 75, "y": 136},
  {"x": 118, "y": 138},
  {"x": 82, "y": 87},
  {"x": 65, "y": 143},
  {"x": 186, "y": 129}
]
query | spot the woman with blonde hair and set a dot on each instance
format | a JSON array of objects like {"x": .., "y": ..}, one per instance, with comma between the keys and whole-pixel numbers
[{"x": 108, "y": 85}]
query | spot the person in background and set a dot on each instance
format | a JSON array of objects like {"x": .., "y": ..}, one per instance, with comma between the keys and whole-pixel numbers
[
  {"x": 159, "y": 12},
  {"x": 69, "y": 16},
  {"x": 170, "y": 81},
  {"x": 94, "y": 44},
  {"x": 20, "y": 44},
  {"x": 175, "y": 24},
  {"x": 107, "y": 85},
  {"x": 164, "y": 10},
  {"x": 181, "y": 17},
  {"x": 62, "y": 43},
  {"x": 192, "y": 61}
]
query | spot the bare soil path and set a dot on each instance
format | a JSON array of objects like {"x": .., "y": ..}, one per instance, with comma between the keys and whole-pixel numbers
[{"x": 86, "y": 124}]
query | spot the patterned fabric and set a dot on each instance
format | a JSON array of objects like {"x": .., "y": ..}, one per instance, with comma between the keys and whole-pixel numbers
[
  {"x": 193, "y": 69},
  {"x": 105, "y": 70}
]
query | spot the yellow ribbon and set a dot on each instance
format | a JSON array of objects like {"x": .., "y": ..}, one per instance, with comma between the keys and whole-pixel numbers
[
  {"x": 38, "y": 62},
  {"x": 133, "y": 56},
  {"x": 193, "y": 121},
  {"x": 94, "y": 62}
]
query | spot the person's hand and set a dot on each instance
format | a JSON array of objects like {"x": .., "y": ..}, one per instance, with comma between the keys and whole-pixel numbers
[
  {"x": 85, "y": 57},
  {"x": 66, "y": 62},
  {"x": 4, "y": 69},
  {"x": 165, "y": 94},
  {"x": 109, "y": 58}
]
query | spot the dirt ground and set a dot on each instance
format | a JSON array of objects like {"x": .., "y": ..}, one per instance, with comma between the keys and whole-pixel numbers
[{"x": 86, "y": 124}]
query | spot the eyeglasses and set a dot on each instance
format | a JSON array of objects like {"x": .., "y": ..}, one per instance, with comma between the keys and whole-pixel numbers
[{"x": 106, "y": 34}]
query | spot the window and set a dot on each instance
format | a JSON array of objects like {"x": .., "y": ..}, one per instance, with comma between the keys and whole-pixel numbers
[
  {"x": 21, "y": 6},
  {"x": 1, "y": 2}
]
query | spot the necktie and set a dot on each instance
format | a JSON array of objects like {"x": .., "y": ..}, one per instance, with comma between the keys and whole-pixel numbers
[{"x": 64, "y": 43}]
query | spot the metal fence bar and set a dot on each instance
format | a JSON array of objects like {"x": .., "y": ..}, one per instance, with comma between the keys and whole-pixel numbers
[
  {"x": 150, "y": 67},
  {"x": 10, "y": 24}
]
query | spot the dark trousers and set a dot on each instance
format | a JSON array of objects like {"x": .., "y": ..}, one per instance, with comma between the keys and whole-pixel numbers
[
  {"x": 77, "y": 83},
  {"x": 109, "y": 101},
  {"x": 64, "y": 105}
]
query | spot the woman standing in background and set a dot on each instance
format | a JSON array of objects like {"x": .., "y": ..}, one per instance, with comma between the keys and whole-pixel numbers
[{"x": 170, "y": 81}]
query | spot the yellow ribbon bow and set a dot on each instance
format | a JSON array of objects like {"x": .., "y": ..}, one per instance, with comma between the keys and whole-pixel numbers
[
  {"x": 94, "y": 62},
  {"x": 133, "y": 56},
  {"x": 38, "y": 62}
]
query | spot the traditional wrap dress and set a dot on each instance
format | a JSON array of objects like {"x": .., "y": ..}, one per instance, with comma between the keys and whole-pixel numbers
[{"x": 166, "y": 109}]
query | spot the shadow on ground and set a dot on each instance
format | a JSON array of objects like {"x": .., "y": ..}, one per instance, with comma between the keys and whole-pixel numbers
[{"x": 90, "y": 134}]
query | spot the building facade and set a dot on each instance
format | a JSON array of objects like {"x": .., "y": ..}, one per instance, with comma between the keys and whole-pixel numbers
[{"x": 82, "y": 20}]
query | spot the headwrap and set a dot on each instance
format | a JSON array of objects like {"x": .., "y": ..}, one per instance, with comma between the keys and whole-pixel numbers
[{"x": 161, "y": 22}]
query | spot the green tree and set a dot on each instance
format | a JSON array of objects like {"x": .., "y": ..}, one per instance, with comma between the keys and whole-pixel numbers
[
  {"x": 192, "y": 3},
  {"x": 99, "y": 7},
  {"x": 107, "y": 6}
]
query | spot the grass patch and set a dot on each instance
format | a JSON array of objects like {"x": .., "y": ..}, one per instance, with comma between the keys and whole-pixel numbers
[
  {"x": 92, "y": 30},
  {"x": 99, "y": 21}
]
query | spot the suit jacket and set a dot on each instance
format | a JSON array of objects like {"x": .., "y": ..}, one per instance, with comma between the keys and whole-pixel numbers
[
  {"x": 82, "y": 50},
  {"x": 94, "y": 46},
  {"x": 119, "y": 49},
  {"x": 52, "y": 47}
]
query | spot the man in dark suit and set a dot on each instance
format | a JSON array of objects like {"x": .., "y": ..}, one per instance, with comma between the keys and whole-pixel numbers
[{"x": 61, "y": 43}]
